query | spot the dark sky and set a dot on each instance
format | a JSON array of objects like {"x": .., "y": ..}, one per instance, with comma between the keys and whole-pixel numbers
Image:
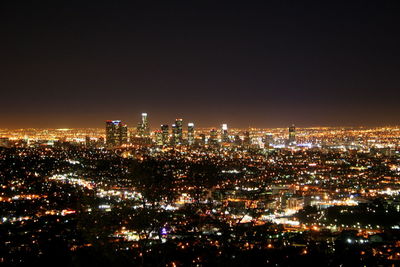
[{"x": 265, "y": 65}]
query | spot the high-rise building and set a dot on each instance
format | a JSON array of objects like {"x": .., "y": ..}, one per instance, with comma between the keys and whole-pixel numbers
[
  {"x": 247, "y": 139},
  {"x": 224, "y": 133},
  {"x": 143, "y": 128},
  {"x": 179, "y": 131},
  {"x": 159, "y": 137},
  {"x": 123, "y": 134},
  {"x": 116, "y": 133},
  {"x": 165, "y": 134},
  {"x": 213, "y": 137},
  {"x": 292, "y": 135},
  {"x": 190, "y": 133},
  {"x": 174, "y": 135}
]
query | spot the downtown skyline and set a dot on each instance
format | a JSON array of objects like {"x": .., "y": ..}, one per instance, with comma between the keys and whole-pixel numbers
[{"x": 156, "y": 123}]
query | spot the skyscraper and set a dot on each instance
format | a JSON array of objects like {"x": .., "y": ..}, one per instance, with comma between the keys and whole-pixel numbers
[
  {"x": 143, "y": 128},
  {"x": 178, "y": 133},
  {"x": 292, "y": 135},
  {"x": 190, "y": 133},
  {"x": 213, "y": 137},
  {"x": 174, "y": 134},
  {"x": 165, "y": 134},
  {"x": 116, "y": 133},
  {"x": 247, "y": 139},
  {"x": 159, "y": 137},
  {"x": 224, "y": 133}
]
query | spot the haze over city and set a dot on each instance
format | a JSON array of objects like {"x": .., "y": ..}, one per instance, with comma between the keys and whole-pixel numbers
[{"x": 77, "y": 64}]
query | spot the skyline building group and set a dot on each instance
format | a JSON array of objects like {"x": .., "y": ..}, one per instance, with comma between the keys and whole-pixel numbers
[{"x": 117, "y": 135}]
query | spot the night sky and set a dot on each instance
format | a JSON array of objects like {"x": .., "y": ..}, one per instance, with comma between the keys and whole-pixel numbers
[{"x": 260, "y": 65}]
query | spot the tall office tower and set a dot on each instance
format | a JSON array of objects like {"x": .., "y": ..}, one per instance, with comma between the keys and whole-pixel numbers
[
  {"x": 112, "y": 133},
  {"x": 213, "y": 137},
  {"x": 116, "y": 133},
  {"x": 123, "y": 138},
  {"x": 247, "y": 139},
  {"x": 190, "y": 133},
  {"x": 143, "y": 128},
  {"x": 292, "y": 135},
  {"x": 174, "y": 135},
  {"x": 165, "y": 134},
  {"x": 224, "y": 133},
  {"x": 179, "y": 131},
  {"x": 159, "y": 137},
  {"x": 268, "y": 139}
]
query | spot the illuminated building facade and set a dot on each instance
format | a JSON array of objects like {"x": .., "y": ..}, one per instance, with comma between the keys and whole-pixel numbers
[
  {"x": 143, "y": 128},
  {"x": 159, "y": 137},
  {"x": 177, "y": 131},
  {"x": 213, "y": 137},
  {"x": 190, "y": 133},
  {"x": 224, "y": 133},
  {"x": 116, "y": 133},
  {"x": 164, "y": 134},
  {"x": 174, "y": 134}
]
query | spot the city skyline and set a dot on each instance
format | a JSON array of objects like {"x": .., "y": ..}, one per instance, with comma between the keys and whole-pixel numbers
[
  {"x": 156, "y": 126},
  {"x": 200, "y": 133},
  {"x": 152, "y": 124},
  {"x": 261, "y": 65}
]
